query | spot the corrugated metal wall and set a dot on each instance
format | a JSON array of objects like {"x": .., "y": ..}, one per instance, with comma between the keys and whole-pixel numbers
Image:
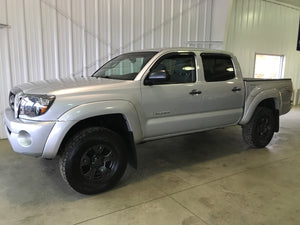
[
  {"x": 52, "y": 38},
  {"x": 262, "y": 26}
]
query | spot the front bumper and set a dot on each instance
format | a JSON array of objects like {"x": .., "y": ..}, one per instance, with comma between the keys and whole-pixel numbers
[{"x": 26, "y": 136}]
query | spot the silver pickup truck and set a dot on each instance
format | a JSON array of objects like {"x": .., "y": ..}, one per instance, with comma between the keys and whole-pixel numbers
[{"x": 94, "y": 123}]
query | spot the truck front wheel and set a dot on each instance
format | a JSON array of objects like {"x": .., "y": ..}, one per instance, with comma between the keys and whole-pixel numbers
[
  {"x": 94, "y": 160},
  {"x": 258, "y": 132}
]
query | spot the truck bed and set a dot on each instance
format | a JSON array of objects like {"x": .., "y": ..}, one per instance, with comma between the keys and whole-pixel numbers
[
  {"x": 280, "y": 88},
  {"x": 261, "y": 79}
]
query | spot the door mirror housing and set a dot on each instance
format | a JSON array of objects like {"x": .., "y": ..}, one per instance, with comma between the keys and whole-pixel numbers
[{"x": 157, "y": 77}]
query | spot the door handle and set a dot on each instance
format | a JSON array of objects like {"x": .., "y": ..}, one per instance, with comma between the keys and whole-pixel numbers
[
  {"x": 235, "y": 89},
  {"x": 195, "y": 92}
]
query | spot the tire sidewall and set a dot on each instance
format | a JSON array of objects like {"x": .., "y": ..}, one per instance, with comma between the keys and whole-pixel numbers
[
  {"x": 262, "y": 141},
  {"x": 76, "y": 148}
]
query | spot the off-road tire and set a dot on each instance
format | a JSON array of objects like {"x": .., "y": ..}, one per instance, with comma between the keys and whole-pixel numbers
[
  {"x": 93, "y": 160},
  {"x": 258, "y": 132}
]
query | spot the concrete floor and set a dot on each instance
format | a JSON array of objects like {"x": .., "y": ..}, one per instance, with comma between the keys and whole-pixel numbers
[{"x": 206, "y": 178}]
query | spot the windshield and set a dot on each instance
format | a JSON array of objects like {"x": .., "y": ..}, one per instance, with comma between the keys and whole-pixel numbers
[{"x": 125, "y": 66}]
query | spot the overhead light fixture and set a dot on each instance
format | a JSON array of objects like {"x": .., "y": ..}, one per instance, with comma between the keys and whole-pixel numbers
[{"x": 188, "y": 68}]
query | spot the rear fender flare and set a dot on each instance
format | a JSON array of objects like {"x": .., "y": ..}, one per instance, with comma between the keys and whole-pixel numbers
[{"x": 254, "y": 100}]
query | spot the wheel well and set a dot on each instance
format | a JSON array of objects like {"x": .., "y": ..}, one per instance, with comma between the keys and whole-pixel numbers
[
  {"x": 269, "y": 103},
  {"x": 272, "y": 104},
  {"x": 114, "y": 122}
]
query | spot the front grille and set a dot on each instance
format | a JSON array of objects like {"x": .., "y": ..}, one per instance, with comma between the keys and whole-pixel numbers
[
  {"x": 12, "y": 97},
  {"x": 8, "y": 130},
  {"x": 12, "y": 100}
]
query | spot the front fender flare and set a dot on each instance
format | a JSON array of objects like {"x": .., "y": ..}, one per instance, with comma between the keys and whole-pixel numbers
[{"x": 88, "y": 110}]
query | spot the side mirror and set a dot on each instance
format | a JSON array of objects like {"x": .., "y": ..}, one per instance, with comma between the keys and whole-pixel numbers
[{"x": 157, "y": 77}]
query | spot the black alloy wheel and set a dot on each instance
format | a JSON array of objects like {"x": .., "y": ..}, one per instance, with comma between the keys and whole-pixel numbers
[{"x": 99, "y": 162}]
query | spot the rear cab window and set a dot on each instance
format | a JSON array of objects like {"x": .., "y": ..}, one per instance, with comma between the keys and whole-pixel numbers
[{"x": 217, "y": 67}]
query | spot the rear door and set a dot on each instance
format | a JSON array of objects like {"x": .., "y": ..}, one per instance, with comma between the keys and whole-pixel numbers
[{"x": 222, "y": 90}]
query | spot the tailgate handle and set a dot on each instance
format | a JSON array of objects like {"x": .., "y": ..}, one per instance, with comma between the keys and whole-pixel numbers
[
  {"x": 235, "y": 89},
  {"x": 195, "y": 92}
]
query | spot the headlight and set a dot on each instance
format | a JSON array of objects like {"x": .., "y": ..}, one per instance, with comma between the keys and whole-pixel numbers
[{"x": 33, "y": 105}]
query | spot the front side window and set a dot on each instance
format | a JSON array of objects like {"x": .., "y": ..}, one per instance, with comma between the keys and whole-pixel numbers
[
  {"x": 217, "y": 67},
  {"x": 125, "y": 66},
  {"x": 179, "y": 68}
]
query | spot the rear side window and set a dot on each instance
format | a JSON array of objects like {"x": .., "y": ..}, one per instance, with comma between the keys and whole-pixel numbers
[{"x": 217, "y": 67}]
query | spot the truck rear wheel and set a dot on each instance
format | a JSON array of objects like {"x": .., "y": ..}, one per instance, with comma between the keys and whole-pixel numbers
[
  {"x": 94, "y": 160},
  {"x": 258, "y": 132}
]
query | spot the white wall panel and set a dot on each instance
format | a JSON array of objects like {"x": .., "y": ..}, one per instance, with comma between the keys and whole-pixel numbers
[
  {"x": 5, "y": 64},
  {"x": 64, "y": 33},
  {"x": 33, "y": 37},
  {"x": 259, "y": 26},
  {"x": 50, "y": 43},
  {"x": 17, "y": 42},
  {"x": 50, "y": 39},
  {"x": 220, "y": 10}
]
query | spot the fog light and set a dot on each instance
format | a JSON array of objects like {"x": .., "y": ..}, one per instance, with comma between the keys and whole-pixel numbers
[{"x": 24, "y": 139}]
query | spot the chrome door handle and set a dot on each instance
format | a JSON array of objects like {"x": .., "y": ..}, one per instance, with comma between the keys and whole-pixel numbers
[
  {"x": 195, "y": 92},
  {"x": 235, "y": 89}
]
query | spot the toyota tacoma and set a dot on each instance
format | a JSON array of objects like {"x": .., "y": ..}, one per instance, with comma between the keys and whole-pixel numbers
[{"x": 94, "y": 123}]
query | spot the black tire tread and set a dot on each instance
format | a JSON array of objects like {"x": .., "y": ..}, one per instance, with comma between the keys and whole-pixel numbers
[
  {"x": 74, "y": 141},
  {"x": 248, "y": 129}
]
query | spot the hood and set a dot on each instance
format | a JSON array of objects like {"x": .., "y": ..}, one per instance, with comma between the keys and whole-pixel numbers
[
  {"x": 70, "y": 86},
  {"x": 71, "y": 92}
]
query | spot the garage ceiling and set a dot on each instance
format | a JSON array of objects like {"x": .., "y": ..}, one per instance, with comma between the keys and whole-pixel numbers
[{"x": 291, "y": 2}]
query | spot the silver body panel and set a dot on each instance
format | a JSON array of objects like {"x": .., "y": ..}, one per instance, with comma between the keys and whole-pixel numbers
[{"x": 151, "y": 112}]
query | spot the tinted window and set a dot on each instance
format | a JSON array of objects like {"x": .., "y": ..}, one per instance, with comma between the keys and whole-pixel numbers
[
  {"x": 180, "y": 68},
  {"x": 217, "y": 67}
]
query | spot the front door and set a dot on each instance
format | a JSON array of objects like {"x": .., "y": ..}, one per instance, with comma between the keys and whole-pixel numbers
[{"x": 171, "y": 107}]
